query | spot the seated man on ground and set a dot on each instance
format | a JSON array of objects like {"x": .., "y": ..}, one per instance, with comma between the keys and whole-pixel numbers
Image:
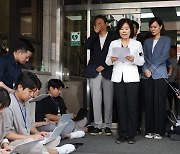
[
  {"x": 49, "y": 111},
  {"x": 18, "y": 124}
]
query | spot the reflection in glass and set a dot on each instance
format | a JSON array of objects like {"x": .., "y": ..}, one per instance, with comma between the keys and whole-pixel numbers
[
  {"x": 31, "y": 29},
  {"x": 74, "y": 53},
  {"x": 28, "y": 18}
]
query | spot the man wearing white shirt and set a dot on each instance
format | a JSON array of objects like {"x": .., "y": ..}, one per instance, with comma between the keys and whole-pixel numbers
[{"x": 99, "y": 74}]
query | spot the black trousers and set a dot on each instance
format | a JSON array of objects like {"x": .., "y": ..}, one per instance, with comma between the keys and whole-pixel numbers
[
  {"x": 140, "y": 105},
  {"x": 126, "y": 96},
  {"x": 155, "y": 94},
  {"x": 171, "y": 96}
]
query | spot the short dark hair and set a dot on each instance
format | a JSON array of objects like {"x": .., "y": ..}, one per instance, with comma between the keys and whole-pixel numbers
[
  {"x": 39, "y": 84},
  {"x": 160, "y": 23},
  {"x": 100, "y": 17},
  {"x": 4, "y": 98},
  {"x": 24, "y": 46},
  {"x": 121, "y": 22},
  {"x": 55, "y": 83},
  {"x": 135, "y": 23},
  {"x": 27, "y": 80}
]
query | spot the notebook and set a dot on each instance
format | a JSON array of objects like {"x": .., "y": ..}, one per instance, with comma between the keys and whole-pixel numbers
[
  {"x": 65, "y": 118},
  {"x": 81, "y": 114},
  {"x": 38, "y": 98},
  {"x": 53, "y": 135},
  {"x": 25, "y": 147}
]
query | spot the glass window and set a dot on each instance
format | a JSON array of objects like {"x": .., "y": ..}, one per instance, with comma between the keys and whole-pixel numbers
[
  {"x": 29, "y": 18},
  {"x": 4, "y": 24},
  {"x": 22, "y": 22},
  {"x": 31, "y": 29},
  {"x": 74, "y": 53}
]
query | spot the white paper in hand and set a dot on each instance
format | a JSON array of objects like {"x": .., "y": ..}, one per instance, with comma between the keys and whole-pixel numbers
[{"x": 121, "y": 53}]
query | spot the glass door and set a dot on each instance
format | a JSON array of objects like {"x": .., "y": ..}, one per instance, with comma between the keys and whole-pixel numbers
[
  {"x": 74, "y": 54},
  {"x": 74, "y": 59}
]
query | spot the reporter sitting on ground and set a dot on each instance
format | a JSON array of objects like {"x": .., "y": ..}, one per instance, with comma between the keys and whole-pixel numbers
[
  {"x": 4, "y": 102},
  {"x": 49, "y": 111},
  {"x": 18, "y": 123},
  {"x": 67, "y": 148}
]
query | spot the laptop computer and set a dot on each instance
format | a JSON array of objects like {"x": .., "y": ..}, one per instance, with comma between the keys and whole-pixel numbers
[
  {"x": 65, "y": 118},
  {"x": 81, "y": 114},
  {"x": 25, "y": 147},
  {"x": 53, "y": 135}
]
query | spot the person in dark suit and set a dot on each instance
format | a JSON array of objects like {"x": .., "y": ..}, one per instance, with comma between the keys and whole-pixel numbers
[
  {"x": 156, "y": 52},
  {"x": 99, "y": 74}
]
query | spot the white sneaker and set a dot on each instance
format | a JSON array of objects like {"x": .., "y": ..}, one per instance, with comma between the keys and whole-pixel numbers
[
  {"x": 77, "y": 134},
  {"x": 157, "y": 136},
  {"x": 149, "y": 135},
  {"x": 67, "y": 148}
]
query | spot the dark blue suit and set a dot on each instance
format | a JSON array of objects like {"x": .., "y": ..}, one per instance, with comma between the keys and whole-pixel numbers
[
  {"x": 100, "y": 82},
  {"x": 98, "y": 56}
]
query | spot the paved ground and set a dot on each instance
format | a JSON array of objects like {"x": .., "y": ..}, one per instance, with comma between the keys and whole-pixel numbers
[{"x": 106, "y": 145}]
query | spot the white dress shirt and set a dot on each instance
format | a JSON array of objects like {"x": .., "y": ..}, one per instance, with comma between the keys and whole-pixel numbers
[
  {"x": 102, "y": 40},
  {"x": 127, "y": 71},
  {"x": 154, "y": 43}
]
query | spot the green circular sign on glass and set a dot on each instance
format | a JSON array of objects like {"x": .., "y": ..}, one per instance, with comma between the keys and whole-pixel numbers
[{"x": 75, "y": 39}]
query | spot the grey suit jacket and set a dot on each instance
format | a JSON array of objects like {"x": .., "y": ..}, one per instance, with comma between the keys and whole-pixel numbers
[{"x": 156, "y": 61}]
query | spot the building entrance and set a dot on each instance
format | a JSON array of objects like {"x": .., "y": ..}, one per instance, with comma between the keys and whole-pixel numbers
[{"x": 78, "y": 23}]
